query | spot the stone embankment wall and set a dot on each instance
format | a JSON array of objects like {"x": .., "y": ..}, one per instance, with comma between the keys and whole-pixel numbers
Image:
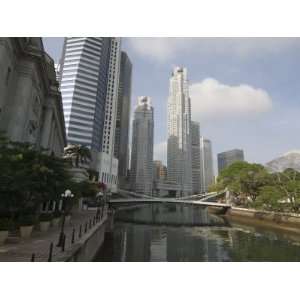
[
  {"x": 287, "y": 221},
  {"x": 87, "y": 248}
]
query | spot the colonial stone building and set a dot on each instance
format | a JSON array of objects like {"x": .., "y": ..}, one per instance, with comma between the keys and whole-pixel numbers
[{"x": 30, "y": 101}]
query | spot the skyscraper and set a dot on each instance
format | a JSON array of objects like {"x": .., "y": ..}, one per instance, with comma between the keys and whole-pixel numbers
[
  {"x": 108, "y": 164},
  {"x": 123, "y": 116},
  {"x": 179, "y": 132},
  {"x": 206, "y": 164},
  {"x": 159, "y": 171},
  {"x": 141, "y": 172},
  {"x": 196, "y": 157},
  {"x": 225, "y": 159},
  {"x": 84, "y": 78}
]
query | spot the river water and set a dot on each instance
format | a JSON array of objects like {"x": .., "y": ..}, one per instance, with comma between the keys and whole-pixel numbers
[{"x": 177, "y": 232}]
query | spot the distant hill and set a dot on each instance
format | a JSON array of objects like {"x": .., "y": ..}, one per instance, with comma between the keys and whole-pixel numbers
[{"x": 288, "y": 160}]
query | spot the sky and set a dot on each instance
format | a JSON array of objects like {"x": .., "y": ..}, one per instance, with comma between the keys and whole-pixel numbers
[{"x": 245, "y": 92}]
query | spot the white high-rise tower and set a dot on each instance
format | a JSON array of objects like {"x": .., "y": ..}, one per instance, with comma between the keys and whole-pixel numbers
[
  {"x": 108, "y": 169},
  {"x": 179, "y": 132}
]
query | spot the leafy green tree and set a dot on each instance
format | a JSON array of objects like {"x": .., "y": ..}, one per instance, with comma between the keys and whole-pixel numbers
[
  {"x": 269, "y": 198},
  {"x": 29, "y": 177},
  {"x": 288, "y": 182},
  {"x": 243, "y": 179}
]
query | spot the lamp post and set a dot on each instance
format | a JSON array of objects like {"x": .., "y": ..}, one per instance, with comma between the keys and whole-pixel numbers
[{"x": 65, "y": 196}]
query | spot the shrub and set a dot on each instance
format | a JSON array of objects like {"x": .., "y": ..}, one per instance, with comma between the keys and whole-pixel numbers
[
  {"x": 27, "y": 220},
  {"x": 46, "y": 217},
  {"x": 57, "y": 214}
]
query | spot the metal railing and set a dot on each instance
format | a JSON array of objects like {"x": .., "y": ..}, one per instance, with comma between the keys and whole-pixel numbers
[{"x": 76, "y": 234}]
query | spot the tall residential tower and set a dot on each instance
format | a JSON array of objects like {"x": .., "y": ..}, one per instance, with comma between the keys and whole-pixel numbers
[
  {"x": 141, "y": 172},
  {"x": 179, "y": 132}
]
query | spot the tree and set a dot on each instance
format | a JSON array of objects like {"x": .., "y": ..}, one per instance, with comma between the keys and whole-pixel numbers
[
  {"x": 78, "y": 153},
  {"x": 29, "y": 177},
  {"x": 288, "y": 182},
  {"x": 269, "y": 198},
  {"x": 243, "y": 179}
]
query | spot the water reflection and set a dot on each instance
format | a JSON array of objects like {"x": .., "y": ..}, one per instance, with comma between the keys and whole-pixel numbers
[
  {"x": 152, "y": 233},
  {"x": 170, "y": 214}
]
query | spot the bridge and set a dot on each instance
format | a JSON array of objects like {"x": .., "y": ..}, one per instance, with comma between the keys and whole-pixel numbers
[{"x": 207, "y": 200}]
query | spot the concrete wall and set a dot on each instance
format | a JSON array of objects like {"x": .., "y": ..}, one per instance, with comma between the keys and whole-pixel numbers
[
  {"x": 91, "y": 246},
  {"x": 273, "y": 219},
  {"x": 87, "y": 248}
]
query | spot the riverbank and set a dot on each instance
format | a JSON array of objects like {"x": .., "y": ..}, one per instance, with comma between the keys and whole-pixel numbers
[
  {"x": 84, "y": 235},
  {"x": 282, "y": 221}
]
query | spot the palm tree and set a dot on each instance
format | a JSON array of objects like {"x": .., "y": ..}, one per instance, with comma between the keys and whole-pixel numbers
[{"x": 79, "y": 153}]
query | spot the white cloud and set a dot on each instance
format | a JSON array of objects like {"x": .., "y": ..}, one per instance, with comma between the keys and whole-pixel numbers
[
  {"x": 211, "y": 99},
  {"x": 166, "y": 48},
  {"x": 157, "y": 48},
  {"x": 160, "y": 152}
]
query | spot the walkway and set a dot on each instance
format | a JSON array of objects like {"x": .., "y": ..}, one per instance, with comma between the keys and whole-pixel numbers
[{"x": 16, "y": 249}]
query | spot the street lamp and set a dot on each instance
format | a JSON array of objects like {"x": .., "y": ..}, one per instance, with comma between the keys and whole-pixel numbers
[
  {"x": 65, "y": 196},
  {"x": 99, "y": 199}
]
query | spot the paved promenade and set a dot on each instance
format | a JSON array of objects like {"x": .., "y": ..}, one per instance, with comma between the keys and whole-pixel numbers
[{"x": 20, "y": 250}]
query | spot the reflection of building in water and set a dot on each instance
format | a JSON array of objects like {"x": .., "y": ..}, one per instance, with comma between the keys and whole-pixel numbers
[
  {"x": 124, "y": 246},
  {"x": 138, "y": 243},
  {"x": 171, "y": 214},
  {"x": 158, "y": 248},
  {"x": 195, "y": 244}
]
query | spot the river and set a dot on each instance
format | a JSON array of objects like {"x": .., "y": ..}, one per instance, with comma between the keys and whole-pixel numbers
[{"x": 177, "y": 232}]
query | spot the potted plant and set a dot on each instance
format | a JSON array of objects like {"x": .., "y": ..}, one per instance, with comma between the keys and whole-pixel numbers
[
  {"x": 26, "y": 225},
  {"x": 5, "y": 225},
  {"x": 45, "y": 219}
]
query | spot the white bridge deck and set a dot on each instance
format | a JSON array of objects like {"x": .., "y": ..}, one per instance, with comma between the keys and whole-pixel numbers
[{"x": 168, "y": 200}]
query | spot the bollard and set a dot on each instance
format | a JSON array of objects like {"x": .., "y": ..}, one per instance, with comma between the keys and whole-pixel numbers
[
  {"x": 94, "y": 220},
  {"x": 85, "y": 228},
  {"x": 97, "y": 214},
  {"x": 50, "y": 252},
  {"x": 32, "y": 257},
  {"x": 73, "y": 236},
  {"x": 80, "y": 231},
  {"x": 63, "y": 243}
]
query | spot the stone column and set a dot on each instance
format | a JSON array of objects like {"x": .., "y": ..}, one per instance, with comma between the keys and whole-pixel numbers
[
  {"x": 17, "y": 110},
  {"x": 46, "y": 129}
]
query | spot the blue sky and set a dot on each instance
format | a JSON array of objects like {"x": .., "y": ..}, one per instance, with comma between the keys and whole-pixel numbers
[{"x": 245, "y": 92}]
